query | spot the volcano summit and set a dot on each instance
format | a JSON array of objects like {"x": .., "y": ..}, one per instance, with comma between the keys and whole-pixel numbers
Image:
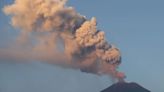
[{"x": 125, "y": 87}]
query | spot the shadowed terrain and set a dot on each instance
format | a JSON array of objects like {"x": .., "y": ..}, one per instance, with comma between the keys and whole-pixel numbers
[{"x": 125, "y": 87}]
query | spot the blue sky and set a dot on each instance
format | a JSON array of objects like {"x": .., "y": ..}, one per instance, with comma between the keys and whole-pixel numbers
[{"x": 134, "y": 26}]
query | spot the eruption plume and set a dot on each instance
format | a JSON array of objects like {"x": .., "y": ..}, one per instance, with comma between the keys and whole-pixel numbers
[{"x": 52, "y": 32}]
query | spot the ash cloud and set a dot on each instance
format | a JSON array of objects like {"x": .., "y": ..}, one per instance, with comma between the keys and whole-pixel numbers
[{"x": 52, "y": 32}]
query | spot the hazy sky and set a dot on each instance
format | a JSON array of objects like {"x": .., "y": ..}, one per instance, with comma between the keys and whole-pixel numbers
[{"x": 134, "y": 26}]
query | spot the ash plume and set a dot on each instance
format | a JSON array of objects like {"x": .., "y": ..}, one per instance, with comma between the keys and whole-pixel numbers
[{"x": 55, "y": 33}]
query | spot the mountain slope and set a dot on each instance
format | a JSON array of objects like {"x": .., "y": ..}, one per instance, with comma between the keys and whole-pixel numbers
[{"x": 125, "y": 87}]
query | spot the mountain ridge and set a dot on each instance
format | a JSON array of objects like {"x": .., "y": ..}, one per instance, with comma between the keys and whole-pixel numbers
[{"x": 125, "y": 87}]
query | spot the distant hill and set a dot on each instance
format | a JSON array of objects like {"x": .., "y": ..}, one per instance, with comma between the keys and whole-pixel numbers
[{"x": 125, "y": 87}]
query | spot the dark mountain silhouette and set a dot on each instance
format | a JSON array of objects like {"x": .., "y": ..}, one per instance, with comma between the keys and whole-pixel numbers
[{"x": 125, "y": 87}]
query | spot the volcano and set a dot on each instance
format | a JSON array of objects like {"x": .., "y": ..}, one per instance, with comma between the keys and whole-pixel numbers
[{"x": 125, "y": 87}]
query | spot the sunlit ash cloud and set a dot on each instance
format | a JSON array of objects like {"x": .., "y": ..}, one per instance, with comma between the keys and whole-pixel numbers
[{"x": 55, "y": 33}]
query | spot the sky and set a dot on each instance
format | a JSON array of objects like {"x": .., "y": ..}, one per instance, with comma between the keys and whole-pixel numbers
[{"x": 134, "y": 26}]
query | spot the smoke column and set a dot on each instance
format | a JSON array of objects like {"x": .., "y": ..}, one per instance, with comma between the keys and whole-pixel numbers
[{"x": 55, "y": 33}]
